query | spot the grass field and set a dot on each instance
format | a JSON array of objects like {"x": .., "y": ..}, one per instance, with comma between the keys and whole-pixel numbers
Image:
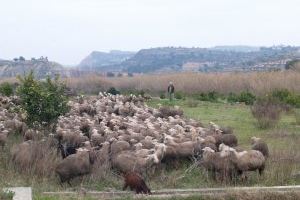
[{"x": 283, "y": 141}]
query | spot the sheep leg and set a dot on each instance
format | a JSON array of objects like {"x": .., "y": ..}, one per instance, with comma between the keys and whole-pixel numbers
[
  {"x": 69, "y": 183},
  {"x": 125, "y": 186},
  {"x": 261, "y": 170}
]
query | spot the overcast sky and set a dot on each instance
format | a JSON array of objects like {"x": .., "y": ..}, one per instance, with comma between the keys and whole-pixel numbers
[{"x": 68, "y": 30}]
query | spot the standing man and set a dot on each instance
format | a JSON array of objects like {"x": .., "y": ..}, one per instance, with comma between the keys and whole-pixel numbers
[{"x": 171, "y": 90}]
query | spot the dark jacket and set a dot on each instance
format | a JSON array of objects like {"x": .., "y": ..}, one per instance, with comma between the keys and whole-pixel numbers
[{"x": 171, "y": 88}]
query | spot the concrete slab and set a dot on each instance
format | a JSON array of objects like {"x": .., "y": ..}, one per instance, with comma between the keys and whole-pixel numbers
[{"x": 21, "y": 193}]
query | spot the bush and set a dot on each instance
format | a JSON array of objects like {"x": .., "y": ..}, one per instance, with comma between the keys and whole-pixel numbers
[
  {"x": 210, "y": 96},
  {"x": 286, "y": 97},
  {"x": 267, "y": 112},
  {"x": 6, "y": 195},
  {"x": 6, "y": 89},
  {"x": 247, "y": 97},
  {"x": 113, "y": 91},
  {"x": 162, "y": 96},
  {"x": 179, "y": 95},
  {"x": 43, "y": 102},
  {"x": 232, "y": 98}
]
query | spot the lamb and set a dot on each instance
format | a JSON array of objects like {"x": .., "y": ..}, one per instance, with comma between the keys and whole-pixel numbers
[
  {"x": 214, "y": 162},
  {"x": 75, "y": 165},
  {"x": 244, "y": 161},
  {"x": 135, "y": 182},
  {"x": 259, "y": 145}
]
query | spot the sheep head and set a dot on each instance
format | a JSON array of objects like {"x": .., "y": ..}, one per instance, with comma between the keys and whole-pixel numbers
[{"x": 255, "y": 140}]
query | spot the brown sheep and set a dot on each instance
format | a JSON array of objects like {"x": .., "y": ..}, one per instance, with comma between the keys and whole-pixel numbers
[
  {"x": 135, "y": 182},
  {"x": 260, "y": 145},
  {"x": 226, "y": 130},
  {"x": 75, "y": 165},
  {"x": 228, "y": 139}
]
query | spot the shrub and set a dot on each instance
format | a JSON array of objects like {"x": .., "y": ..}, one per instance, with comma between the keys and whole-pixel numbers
[
  {"x": 113, "y": 91},
  {"x": 210, "y": 96},
  {"x": 266, "y": 111},
  {"x": 179, "y": 95},
  {"x": 43, "y": 102},
  {"x": 6, "y": 89},
  {"x": 287, "y": 97},
  {"x": 232, "y": 98},
  {"x": 162, "y": 96},
  {"x": 247, "y": 97},
  {"x": 6, "y": 195}
]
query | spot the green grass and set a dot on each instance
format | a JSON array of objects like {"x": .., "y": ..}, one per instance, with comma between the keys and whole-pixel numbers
[{"x": 283, "y": 140}]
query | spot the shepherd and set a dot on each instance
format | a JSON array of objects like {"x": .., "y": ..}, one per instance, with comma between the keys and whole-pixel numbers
[{"x": 171, "y": 90}]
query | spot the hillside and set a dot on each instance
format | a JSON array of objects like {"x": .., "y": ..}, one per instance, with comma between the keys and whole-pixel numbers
[
  {"x": 41, "y": 67},
  {"x": 206, "y": 60},
  {"x": 102, "y": 61}
]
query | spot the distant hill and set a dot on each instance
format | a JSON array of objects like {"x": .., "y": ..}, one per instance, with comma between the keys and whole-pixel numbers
[
  {"x": 41, "y": 67},
  {"x": 237, "y": 48},
  {"x": 102, "y": 61},
  {"x": 209, "y": 59}
]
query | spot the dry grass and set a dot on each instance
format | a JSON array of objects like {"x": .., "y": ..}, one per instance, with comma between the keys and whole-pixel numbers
[
  {"x": 90, "y": 84},
  {"x": 257, "y": 82}
]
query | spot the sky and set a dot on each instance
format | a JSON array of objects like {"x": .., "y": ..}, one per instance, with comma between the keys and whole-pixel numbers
[{"x": 68, "y": 30}]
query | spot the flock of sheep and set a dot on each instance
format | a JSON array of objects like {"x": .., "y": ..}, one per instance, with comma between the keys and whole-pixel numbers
[{"x": 124, "y": 134}]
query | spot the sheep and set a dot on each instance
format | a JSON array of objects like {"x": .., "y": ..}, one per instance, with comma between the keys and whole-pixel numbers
[
  {"x": 226, "y": 130},
  {"x": 228, "y": 139},
  {"x": 118, "y": 146},
  {"x": 128, "y": 161},
  {"x": 20, "y": 154},
  {"x": 3, "y": 138},
  {"x": 66, "y": 150},
  {"x": 135, "y": 182},
  {"x": 75, "y": 165},
  {"x": 244, "y": 161},
  {"x": 214, "y": 162},
  {"x": 259, "y": 145}
]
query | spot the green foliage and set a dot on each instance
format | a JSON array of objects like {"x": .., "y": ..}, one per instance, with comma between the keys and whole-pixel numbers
[
  {"x": 287, "y": 97},
  {"x": 6, "y": 89},
  {"x": 179, "y": 95},
  {"x": 43, "y": 102},
  {"x": 232, "y": 98},
  {"x": 113, "y": 91},
  {"x": 210, "y": 96},
  {"x": 6, "y": 195},
  {"x": 162, "y": 96},
  {"x": 247, "y": 97}
]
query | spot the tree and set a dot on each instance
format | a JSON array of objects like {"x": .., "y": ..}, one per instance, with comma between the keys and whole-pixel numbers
[
  {"x": 21, "y": 58},
  {"x": 44, "y": 101}
]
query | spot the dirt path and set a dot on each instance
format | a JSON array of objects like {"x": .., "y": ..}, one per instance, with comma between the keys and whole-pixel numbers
[{"x": 166, "y": 193}]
